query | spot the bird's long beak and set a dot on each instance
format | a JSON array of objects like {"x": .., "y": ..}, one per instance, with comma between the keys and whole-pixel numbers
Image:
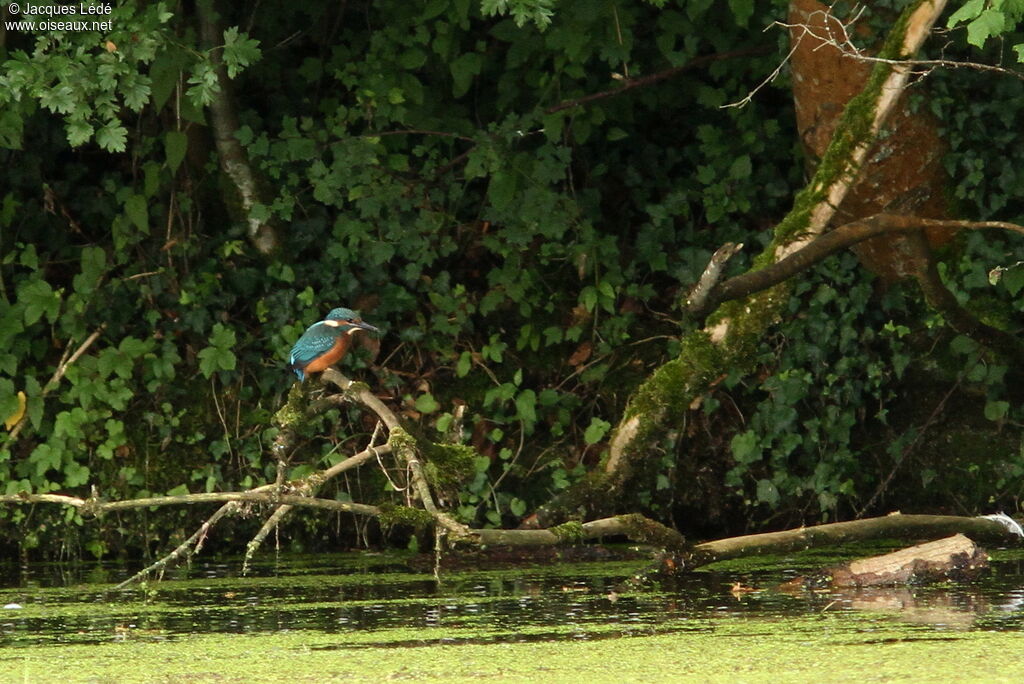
[{"x": 366, "y": 326}]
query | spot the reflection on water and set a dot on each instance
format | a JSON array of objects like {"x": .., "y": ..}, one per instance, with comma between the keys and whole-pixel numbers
[{"x": 342, "y": 593}]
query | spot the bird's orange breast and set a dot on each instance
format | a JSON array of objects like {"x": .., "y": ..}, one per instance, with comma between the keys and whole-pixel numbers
[{"x": 329, "y": 357}]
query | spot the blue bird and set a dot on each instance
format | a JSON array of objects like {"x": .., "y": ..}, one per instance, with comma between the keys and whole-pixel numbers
[{"x": 326, "y": 342}]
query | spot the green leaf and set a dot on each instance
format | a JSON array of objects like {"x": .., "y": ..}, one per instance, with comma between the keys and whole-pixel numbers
[
  {"x": 740, "y": 168},
  {"x": 9, "y": 404},
  {"x": 463, "y": 69},
  {"x": 218, "y": 356},
  {"x": 526, "y": 403},
  {"x": 175, "y": 146},
  {"x": 212, "y": 359},
  {"x": 996, "y": 410},
  {"x": 990, "y": 23},
  {"x": 138, "y": 212},
  {"x": 742, "y": 10},
  {"x": 502, "y": 189},
  {"x": 517, "y": 507},
  {"x": 969, "y": 10},
  {"x": 79, "y": 132},
  {"x": 596, "y": 431},
  {"x": 464, "y": 364},
  {"x": 426, "y": 403},
  {"x": 745, "y": 447},
  {"x": 588, "y": 297},
  {"x": 112, "y": 137},
  {"x": 135, "y": 90},
  {"x": 94, "y": 265},
  {"x": 1019, "y": 49},
  {"x": 239, "y": 51},
  {"x": 39, "y": 299},
  {"x": 767, "y": 492},
  {"x": 1013, "y": 280},
  {"x": 58, "y": 99}
]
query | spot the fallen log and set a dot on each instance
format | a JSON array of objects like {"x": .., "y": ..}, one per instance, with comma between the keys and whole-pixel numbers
[
  {"x": 955, "y": 558},
  {"x": 992, "y": 529}
]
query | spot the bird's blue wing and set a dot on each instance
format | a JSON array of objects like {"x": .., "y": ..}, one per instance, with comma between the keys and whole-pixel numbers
[{"x": 317, "y": 339}]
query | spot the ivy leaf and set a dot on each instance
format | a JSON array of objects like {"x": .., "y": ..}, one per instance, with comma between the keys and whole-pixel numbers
[
  {"x": 218, "y": 356},
  {"x": 767, "y": 492},
  {"x": 1013, "y": 280},
  {"x": 526, "y": 403},
  {"x": 38, "y": 298},
  {"x": 740, "y": 168},
  {"x": 94, "y": 264},
  {"x": 745, "y": 447},
  {"x": 996, "y": 410},
  {"x": 426, "y": 403},
  {"x": 213, "y": 359},
  {"x": 9, "y": 402},
  {"x": 464, "y": 364},
  {"x": 113, "y": 137},
  {"x": 596, "y": 431}
]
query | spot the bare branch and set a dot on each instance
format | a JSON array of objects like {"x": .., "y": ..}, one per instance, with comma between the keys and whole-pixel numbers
[
  {"x": 62, "y": 368},
  {"x": 844, "y": 45}
]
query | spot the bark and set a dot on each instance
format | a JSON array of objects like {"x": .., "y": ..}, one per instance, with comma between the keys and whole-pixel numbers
[
  {"x": 957, "y": 558},
  {"x": 904, "y": 173},
  {"x": 234, "y": 162},
  {"x": 730, "y": 334},
  {"x": 935, "y": 292},
  {"x": 893, "y": 526}
]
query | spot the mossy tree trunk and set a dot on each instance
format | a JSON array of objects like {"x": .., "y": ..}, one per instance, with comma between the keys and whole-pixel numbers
[
  {"x": 730, "y": 335},
  {"x": 234, "y": 161}
]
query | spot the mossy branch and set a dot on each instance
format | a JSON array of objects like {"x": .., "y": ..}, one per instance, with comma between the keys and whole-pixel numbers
[
  {"x": 824, "y": 246},
  {"x": 731, "y": 333}
]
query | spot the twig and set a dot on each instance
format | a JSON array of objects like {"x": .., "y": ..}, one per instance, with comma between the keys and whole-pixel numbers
[
  {"x": 185, "y": 548},
  {"x": 62, "y": 368},
  {"x": 712, "y": 275},
  {"x": 848, "y": 50},
  {"x": 884, "y": 484},
  {"x": 631, "y": 83}
]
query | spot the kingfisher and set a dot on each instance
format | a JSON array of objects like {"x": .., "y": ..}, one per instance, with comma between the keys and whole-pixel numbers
[{"x": 326, "y": 342}]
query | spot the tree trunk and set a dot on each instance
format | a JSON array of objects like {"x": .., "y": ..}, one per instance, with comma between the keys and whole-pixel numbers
[
  {"x": 234, "y": 161},
  {"x": 729, "y": 337}
]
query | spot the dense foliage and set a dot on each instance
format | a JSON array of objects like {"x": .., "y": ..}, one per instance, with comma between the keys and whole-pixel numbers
[{"x": 498, "y": 189}]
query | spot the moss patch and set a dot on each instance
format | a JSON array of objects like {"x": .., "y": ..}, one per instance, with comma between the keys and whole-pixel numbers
[
  {"x": 449, "y": 465},
  {"x": 568, "y": 532},
  {"x": 416, "y": 518}
]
